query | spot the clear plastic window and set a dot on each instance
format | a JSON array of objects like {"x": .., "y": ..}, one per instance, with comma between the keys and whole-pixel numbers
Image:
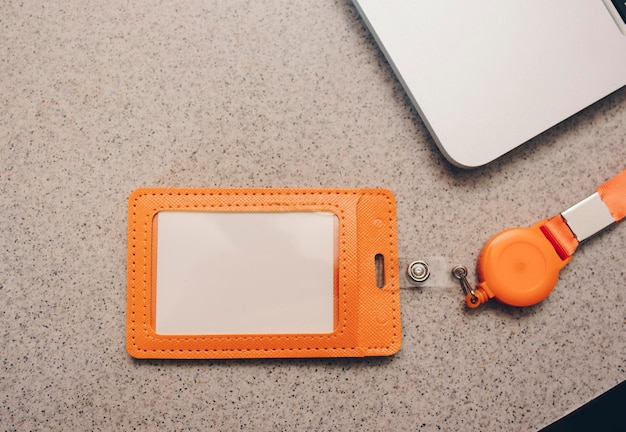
[{"x": 245, "y": 273}]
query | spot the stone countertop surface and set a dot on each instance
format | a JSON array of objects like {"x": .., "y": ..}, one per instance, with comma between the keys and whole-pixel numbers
[{"x": 102, "y": 97}]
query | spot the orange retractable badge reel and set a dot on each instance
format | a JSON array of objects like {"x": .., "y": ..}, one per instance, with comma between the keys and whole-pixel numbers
[{"x": 520, "y": 266}]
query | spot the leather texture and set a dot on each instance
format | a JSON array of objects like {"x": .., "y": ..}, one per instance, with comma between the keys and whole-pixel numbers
[{"x": 367, "y": 318}]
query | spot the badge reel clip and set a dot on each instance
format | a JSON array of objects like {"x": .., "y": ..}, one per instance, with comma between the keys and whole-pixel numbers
[{"x": 520, "y": 266}]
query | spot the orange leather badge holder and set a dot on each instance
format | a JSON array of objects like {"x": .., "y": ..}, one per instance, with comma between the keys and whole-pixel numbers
[{"x": 366, "y": 296}]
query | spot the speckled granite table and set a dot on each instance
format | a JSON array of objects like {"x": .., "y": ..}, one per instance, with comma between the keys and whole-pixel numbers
[{"x": 101, "y": 97}]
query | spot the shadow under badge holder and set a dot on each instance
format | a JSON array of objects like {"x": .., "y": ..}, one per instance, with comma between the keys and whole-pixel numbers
[
  {"x": 262, "y": 273},
  {"x": 521, "y": 266}
]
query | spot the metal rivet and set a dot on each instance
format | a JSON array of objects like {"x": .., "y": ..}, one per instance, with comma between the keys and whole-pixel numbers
[{"x": 418, "y": 271}]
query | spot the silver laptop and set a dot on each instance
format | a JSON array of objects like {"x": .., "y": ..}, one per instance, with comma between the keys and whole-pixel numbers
[{"x": 488, "y": 75}]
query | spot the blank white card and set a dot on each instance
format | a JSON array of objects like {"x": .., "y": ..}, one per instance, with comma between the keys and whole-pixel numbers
[{"x": 245, "y": 273}]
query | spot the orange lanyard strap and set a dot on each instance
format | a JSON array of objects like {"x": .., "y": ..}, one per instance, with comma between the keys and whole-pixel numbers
[
  {"x": 613, "y": 193},
  {"x": 608, "y": 205},
  {"x": 558, "y": 232}
]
